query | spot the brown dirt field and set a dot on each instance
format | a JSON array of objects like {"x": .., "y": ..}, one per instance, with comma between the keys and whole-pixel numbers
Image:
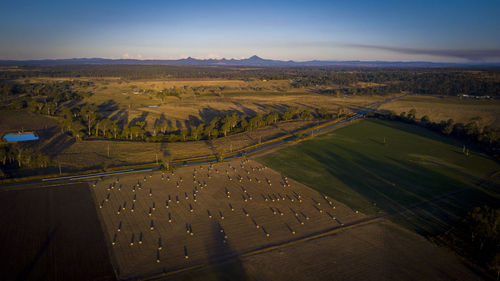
[
  {"x": 207, "y": 243},
  {"x": 375, "y": 251},
  {"x": 52, "y": 233},
  {"x": 87, "y": 154},
  {"x": 443, "y": 108}
]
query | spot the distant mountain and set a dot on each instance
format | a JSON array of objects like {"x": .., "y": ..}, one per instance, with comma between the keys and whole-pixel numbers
[{"x": 253, "y": 61}]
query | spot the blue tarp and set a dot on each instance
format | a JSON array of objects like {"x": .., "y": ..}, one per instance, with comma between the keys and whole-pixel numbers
[{"x": 20, "y": 137}]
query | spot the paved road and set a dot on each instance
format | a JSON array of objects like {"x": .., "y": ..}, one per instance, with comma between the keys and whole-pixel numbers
[{"x": 245, "y": 153}]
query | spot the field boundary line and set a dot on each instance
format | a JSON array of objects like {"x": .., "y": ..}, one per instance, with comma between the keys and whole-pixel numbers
[{"x": 269, "y": 248}]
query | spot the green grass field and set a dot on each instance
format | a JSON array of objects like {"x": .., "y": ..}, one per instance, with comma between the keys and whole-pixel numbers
[{"x": 390, "y": 167}]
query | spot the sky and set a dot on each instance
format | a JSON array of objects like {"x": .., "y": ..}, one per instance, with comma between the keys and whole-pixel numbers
[{"x": 418, "y": 30}]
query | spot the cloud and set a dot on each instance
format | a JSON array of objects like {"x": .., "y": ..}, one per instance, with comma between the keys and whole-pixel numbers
[
  {"x": 468, "y": 54},
  {"x": 125, "y": 56}
]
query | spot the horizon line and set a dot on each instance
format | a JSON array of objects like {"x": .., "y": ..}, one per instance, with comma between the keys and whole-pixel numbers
[{"x": 250, "y": 57}]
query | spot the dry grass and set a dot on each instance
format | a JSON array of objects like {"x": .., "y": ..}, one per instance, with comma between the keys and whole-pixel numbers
[
  {"x": 93, "y": 154},
  {"x": 379, "y": 251},
  {"x": 444, "y": 108},
  {"x": 128, "y": 101}
]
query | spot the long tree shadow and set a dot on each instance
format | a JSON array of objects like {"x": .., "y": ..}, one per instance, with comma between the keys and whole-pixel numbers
[
  {"x": 25, "y": 272},
  {"x": 107, "y": 108},
  {"x": 207, "y": 114},
  {"x": 141, "y": 118},
  {"x": 225, "y": 263}
]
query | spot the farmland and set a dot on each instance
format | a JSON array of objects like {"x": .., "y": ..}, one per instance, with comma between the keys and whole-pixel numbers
[
  {"x": 441, "y": 108},
  {"x": 343, "y": 204},
  {"x": 378, "y": 251},
  {"x": 52, "y": 233},
  {"x": 387, "y": 167},
  {"x": 162, "y": 222},
  {"x": 231, "y": 220}
]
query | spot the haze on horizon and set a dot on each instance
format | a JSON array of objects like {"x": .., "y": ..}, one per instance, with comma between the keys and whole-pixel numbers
[{"x": 439, "y": 31}]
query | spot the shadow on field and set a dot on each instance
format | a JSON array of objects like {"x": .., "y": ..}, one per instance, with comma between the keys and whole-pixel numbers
[
  {"x": 207, "y": 114},
  {"x": 107, "y": 108},
  {"x": 58, "y": 144},
  {"x": 25, "y": 272},
  {"x": 226, "y": 266},
  {"x": 141, "y": 118},
  {"x": 425, "y": 200}
]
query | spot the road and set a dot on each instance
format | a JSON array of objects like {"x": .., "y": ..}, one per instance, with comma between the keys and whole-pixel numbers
[{"x": 244, "y": 153}]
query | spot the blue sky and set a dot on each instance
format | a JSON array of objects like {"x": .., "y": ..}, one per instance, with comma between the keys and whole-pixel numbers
[{"x": 421, "y": 30}]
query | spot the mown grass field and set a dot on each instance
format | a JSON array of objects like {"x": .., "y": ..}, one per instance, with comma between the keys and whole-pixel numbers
[{"x": 422, "y": 176}]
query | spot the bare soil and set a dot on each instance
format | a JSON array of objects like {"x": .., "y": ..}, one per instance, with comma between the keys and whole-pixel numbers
[{"x": 52, "y": 233}]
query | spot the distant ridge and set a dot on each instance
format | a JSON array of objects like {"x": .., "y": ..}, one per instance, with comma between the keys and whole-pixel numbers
[{"x": 253, "y": 61}]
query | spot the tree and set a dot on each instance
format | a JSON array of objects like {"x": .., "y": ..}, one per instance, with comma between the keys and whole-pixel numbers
[
  {"x": 197, "y": 131},
  {"x": 105, "y": 125},
  {"x": 447, "y": 127},
  {"x": 3, "y": 154},
  {"x": 211, "y": 126},
  {"x": 226, "y": 126},
  {"x": 66, "y": 124},
  {"x": 425, "y": 120},
  {"x": 220, "y": 155},
  {"x": 412, "y": 114},
  {"x": 289, "y": 114},
  {"x": 306, "y": 115},
  {"x": 184, "y": 133},
  {"x": 89, "y": 113},
  {"x": 255, "y": 122},
  {"x": 114, "y": 128},
  {"x": 340, "y": 111},
  {"x": 244, "y": 123},
  {"x": 323, "y": 112},
  {"x": 271, "y": 118},
  {"x": 77, "y": 129}
]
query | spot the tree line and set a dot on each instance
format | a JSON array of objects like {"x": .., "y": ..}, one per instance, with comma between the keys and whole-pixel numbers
[
  {"x": 16, "y": 155},
  {"x": 86, "y": 122},
  {"x": 485, "y": 137}
]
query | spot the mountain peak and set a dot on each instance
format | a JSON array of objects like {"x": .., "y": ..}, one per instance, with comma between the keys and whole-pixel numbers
[{"x": 255, "y": 57}]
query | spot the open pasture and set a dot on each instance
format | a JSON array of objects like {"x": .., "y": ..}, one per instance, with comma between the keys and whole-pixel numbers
[
  {"x": 160, "y": 222},
  {"x": 390, "y": 167}
]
